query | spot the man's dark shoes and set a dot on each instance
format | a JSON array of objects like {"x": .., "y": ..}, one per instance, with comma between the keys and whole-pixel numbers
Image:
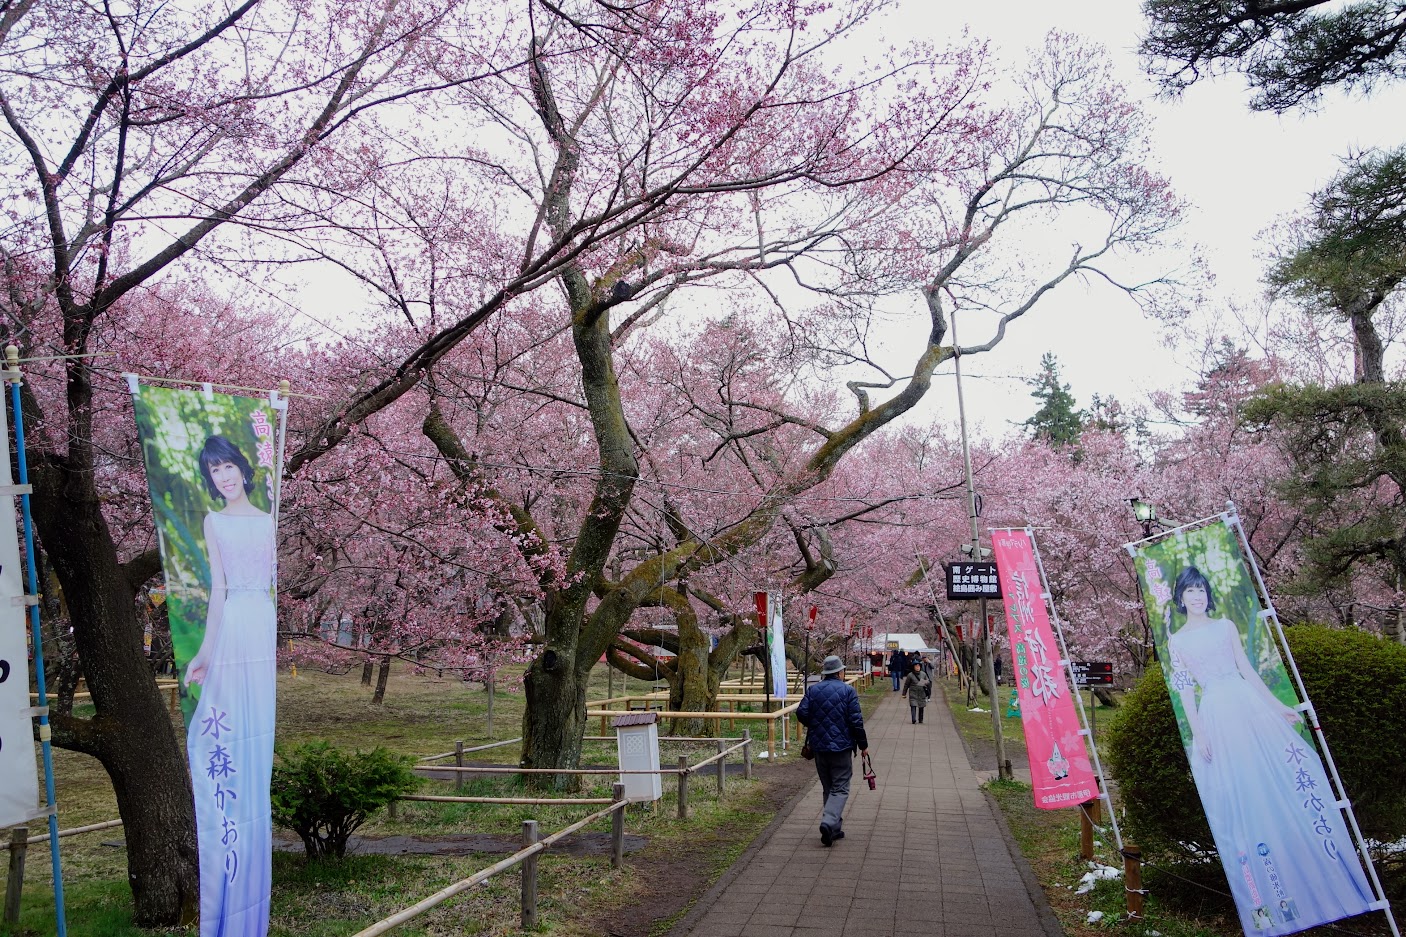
[
  {"x": 839, "y": 835},
  {"x": 827, "y": 835}
]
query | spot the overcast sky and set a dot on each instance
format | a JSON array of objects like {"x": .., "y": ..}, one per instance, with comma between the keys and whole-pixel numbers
[{"x": 1240, "y": 170}]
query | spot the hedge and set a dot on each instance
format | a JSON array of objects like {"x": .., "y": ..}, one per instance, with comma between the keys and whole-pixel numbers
[{"x": 1357, "y": 682}]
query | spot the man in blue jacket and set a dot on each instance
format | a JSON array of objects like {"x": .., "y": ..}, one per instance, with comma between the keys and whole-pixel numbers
[{"x": 830, "y": 710}]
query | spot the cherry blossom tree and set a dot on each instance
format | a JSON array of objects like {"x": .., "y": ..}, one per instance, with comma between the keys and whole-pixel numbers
[
  {"x": 134, "y": 137},
  {"x": 627, "y": 162}
]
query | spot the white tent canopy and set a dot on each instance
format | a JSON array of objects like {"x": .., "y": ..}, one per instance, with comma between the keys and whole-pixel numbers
[{"x": 907, "y": 641}]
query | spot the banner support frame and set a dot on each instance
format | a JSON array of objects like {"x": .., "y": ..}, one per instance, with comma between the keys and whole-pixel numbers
[{"x": 1231, "y": 515}]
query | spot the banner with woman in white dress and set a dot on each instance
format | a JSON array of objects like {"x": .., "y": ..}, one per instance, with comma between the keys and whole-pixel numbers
[
  {"x": 213, "y": 467},
  {"x": 1285, "y": 844}
]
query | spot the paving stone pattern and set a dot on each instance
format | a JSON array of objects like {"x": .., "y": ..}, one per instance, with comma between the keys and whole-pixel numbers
[{"x": 924, "y": 854}]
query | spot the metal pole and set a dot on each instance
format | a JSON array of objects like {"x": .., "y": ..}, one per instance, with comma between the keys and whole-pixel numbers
[
  {"x": 32, "y": 584},
  {"x": 1002, "y": 764}
]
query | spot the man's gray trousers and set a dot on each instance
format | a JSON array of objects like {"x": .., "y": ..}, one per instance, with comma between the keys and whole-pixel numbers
[{"x": 835, "y": 770}]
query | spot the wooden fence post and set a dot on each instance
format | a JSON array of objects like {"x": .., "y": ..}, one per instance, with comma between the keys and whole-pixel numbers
[
  {"x": 617, "y": 828},
  {"x": 529, "y": 876},
  {"x": 19, "y": 843},
  {"x": 1132, "y": 879},
  {"x": 393, "y": 809},
  {"x": 459, "y": 763},
  {"x": 1087, "y": 811},
  {"x": 722, "y": 768},
  {"x": 175, "y": 699},
  {"x": 771, "y": 738},
  {"x": 747, "y": 754},
  {"x": 683, "y": 787}
]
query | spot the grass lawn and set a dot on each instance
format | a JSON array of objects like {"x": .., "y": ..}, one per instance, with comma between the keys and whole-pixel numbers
[{"x": 421, "y": 715}]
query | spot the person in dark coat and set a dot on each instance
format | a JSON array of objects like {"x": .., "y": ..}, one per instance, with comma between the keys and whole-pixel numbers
[
  {"x": 898, "y": 667},
  {"x": 917, "y": 686},
  {"x": 830, "y": 710}
]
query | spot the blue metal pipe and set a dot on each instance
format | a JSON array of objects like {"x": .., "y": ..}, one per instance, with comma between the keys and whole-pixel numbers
[{"x": 32, "y": 582}]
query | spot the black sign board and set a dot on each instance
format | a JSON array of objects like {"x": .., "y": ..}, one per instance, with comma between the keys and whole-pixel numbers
[
  {"x": 1093, "y": 673},
  {"x": 972, "y": 581}
]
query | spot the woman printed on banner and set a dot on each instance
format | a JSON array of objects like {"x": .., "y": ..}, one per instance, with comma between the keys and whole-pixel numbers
[
  {"x": 230, "y": 739},
  {"x": 1285, "y": 846}
]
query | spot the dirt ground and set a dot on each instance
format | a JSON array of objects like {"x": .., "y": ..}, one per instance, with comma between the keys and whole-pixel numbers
[{"x": 665, "y": 881}]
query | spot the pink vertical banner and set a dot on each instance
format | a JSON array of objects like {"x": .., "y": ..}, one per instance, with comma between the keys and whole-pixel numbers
[{"x": 1060, "y": 772}]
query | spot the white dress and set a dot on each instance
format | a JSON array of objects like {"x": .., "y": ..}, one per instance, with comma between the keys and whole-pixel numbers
[
  {"x": 1286, "y": 848},
  {"x": 230, "y": 738}
]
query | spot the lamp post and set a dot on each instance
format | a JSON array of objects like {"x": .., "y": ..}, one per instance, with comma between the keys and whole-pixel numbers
[
  {"x": 977, "y": 552},
  {"x": 1145, "y": 513}
]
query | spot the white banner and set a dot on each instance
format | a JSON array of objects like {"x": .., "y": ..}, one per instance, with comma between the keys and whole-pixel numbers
[
  {"x": 777, "y": 640},
  {"x": 19, "y": 779}
]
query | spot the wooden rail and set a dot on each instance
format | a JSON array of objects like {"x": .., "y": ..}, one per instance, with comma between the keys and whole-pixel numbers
[
  {"x": 523, "y": 856},
  {"x": 464, "y": 751},
  {"x": 783, "y": 715},
  {"x": 682, "y": 773},
  {"x": 91, "y": 828},
  {"x": 18, "y": 846}
]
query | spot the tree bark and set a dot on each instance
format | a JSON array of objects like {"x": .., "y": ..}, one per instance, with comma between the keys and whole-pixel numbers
[
  {"x": 382, "y": 677},
  {"x": 554, "y": 719},
  {"x": 131, "y": 733},
  {"x": 366, "y": 668}
]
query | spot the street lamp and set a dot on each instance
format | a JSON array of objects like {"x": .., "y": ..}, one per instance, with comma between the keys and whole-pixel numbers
[{"x": 1145, "y": 513}]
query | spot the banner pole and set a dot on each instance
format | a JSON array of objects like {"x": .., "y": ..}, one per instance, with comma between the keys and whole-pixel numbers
[
  {"x": 32, "y": 585},
  {"x": 1232, "y": 516},
  {"x": 1058, "y": 625}
]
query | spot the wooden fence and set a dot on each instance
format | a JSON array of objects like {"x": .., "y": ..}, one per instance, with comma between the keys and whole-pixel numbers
[
  {"x": 527, "y": 856},
  {"x": 682, "y": 773}
]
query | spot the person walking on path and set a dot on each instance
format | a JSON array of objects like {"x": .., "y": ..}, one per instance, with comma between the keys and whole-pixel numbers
[
  {"x": 917, "y": 686},
  {"x": 830, "y": 710},
  {"x": 898, "y": 667}
]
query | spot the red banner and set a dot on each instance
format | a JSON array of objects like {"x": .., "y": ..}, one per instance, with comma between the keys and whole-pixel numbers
[{"x": 1060, "y": 771}]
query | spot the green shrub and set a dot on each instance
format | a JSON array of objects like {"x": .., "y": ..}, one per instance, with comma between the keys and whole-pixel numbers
[
  {"x": 1358, "y": 686},
  {"x": 324, "y": 794}
]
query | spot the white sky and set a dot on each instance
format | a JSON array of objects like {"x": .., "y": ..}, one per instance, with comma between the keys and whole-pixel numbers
[{"x": 1240, "y": 170}]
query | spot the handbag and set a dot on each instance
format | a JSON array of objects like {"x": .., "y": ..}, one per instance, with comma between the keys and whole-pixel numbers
[
  {"x": 806, "y": 751},
  {"x": 868, "y": 768}
]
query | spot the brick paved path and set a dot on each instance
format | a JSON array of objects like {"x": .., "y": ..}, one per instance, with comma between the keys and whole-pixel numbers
[{"x": 924, "y": 854}]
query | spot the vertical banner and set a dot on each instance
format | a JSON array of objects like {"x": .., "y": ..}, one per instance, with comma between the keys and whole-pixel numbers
[
  {"x": 773, "y": 633},
  {"x": 19, "y": 779},
  {"x": 1282, "y": 839},
  {"x": 212, "y": 469},
  {"x": 1060, "y": 772}
]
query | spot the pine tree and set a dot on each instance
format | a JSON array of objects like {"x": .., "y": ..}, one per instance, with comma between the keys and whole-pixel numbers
[{"x": 1057, "y": 422}]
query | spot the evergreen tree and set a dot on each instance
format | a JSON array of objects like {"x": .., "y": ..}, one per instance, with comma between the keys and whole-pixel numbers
[
  {"x": 1348, "y": 442},
  {"x": 1057, "y": 422}
]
